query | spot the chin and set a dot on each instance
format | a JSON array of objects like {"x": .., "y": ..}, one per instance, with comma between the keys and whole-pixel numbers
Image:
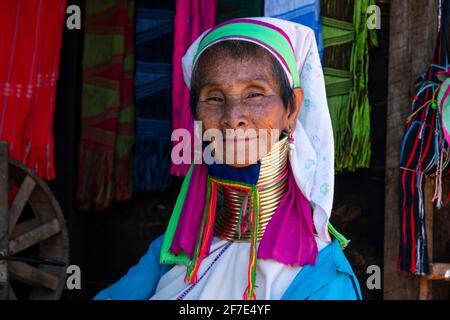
[{"x": 244, "y": 153}]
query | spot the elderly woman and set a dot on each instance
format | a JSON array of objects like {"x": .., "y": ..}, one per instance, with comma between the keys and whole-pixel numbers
[{"x": 255, "y": 229}]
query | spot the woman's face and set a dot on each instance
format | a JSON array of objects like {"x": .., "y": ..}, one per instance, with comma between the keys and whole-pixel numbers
[{"x": 241, "y": 98}]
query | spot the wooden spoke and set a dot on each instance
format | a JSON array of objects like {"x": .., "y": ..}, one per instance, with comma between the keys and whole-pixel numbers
[
  {"x": 11, "y": 293},
  {"x": 34, "y": 236},
  {"x": 44, "y": 232},
  {"x": 25, "y": 227},
  {"x": 25, "y": 190},
  {"x": 32, "y": 276}
]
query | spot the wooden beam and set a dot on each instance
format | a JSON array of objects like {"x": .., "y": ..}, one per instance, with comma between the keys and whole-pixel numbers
[
  {"x": 32, "y": 276},
  {"x": 413, "y": 31},
  {"x": 22, "y": 196},
  {"x": 34, "y": 236},
  {"x": 425, "y": 289},
  {"x": 24, "y": 227},
  {"x": 12, "y": 294},
  {"x": 439, "y": 272},
  {"x": 4, "y": 220}
]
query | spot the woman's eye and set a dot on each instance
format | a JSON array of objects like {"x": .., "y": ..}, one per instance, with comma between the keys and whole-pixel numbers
[
  {"x": 255, "y": 95},
  {"x": 214, "y": 99}
]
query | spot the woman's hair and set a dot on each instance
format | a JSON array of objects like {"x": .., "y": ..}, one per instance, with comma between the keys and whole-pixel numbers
[{"x": 238, "y": 49}]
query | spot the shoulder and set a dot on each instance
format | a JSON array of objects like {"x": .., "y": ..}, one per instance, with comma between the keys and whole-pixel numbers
[
  {"x": 331, "y": 278},
  {"x": 156, "y": 245}
]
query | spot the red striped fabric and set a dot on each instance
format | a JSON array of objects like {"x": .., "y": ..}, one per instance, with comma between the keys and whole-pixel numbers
[{"x": 30, "y": 37}]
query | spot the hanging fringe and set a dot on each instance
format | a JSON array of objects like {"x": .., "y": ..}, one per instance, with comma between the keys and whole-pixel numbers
[
  {"x": 250, "y": 291},
  {"x": 418, "y": 246},
  {"x": 439, "y": 141},
  {"x": 339, "y": 113},
  {"x": 95, "y": 185},
  {"x": 346, "y": 61},
  {"x": 205, "y": 232},
  {"x": 343, "y": 242},
  {"x": 247, "y": 218},
  {"x": 421, "y": 155},
  {"x": 40, "y": 159}
]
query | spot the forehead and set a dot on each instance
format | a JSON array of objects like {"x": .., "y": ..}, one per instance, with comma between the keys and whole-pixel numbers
[{"x": 222, "y": 66}]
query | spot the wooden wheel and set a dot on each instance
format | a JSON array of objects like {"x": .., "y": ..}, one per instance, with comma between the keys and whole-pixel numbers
[{"x": 37, "y": 238}]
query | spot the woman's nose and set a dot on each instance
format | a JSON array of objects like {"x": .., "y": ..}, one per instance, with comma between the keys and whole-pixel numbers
[{"x": 234, "y": 116}]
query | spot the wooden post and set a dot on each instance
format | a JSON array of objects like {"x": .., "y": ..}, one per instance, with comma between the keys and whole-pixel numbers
[
  {"x": 4, "y": 219},
  {"x": 413, "y": 32}
]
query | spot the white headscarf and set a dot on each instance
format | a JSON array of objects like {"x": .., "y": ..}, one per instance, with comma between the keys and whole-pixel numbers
[{"x": 312, "y": 161}]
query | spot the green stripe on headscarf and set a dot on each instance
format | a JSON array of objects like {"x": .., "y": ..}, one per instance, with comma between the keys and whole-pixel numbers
[{"x": 266, "y": 35}]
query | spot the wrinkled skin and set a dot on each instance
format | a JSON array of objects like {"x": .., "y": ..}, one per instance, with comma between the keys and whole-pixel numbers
[{"x": 242, "y": 93}]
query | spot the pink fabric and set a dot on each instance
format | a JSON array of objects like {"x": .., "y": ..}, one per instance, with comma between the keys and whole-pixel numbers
[
  {"x": 289, "y": 237},
  {"x": 190, "y": 221},
  {"x": 192, "y": 17}
]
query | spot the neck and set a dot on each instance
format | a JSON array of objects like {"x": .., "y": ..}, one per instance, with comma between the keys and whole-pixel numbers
[{"x": 272, "y": 185}]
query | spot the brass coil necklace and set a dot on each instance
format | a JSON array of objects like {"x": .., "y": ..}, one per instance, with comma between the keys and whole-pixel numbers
[{"x": 272, "y": 185}]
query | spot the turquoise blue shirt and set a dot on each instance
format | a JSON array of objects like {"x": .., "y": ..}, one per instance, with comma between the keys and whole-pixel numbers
[{"x": 332, "y": 278}]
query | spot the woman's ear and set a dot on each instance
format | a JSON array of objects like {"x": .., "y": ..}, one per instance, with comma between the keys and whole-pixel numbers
[{"x": 295, "y": 107}]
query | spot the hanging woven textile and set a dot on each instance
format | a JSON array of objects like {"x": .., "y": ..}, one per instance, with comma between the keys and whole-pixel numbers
[
  {"x": 347, "y": 40},
  {"x": 192, "y": 17},
  {"x": 30, "y": 37},
  {"x": 305, "y": 12},
  {"x": 107, "y": 119},
  {"x": 232, "y": 9},
  {"x": 151, "y": 158},
  {"x": 424, "y": 152}
]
